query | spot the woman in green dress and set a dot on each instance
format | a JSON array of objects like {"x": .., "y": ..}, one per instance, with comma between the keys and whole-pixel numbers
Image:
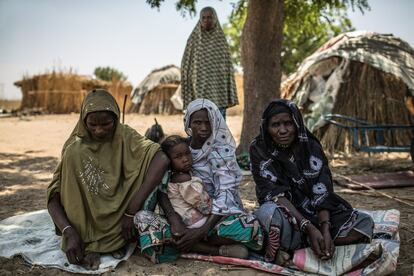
[{"x": 107, "y": 173}]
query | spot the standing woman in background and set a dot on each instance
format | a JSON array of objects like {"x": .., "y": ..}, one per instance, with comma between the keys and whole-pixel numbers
[{"x": 206, "y": 67}]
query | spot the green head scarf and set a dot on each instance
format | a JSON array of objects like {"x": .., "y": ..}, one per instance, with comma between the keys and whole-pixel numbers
[{"x": 96, "y": 180}]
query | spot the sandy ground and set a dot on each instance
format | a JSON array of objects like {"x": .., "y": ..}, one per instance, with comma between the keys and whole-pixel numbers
[{"x": 30, "y": 149}]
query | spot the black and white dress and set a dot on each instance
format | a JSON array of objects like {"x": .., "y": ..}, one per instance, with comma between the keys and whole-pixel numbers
[{"x": 300, "y": 173}]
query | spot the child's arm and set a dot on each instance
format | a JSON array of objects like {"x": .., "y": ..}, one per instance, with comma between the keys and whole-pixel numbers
[{"x": 180, "y": 177}]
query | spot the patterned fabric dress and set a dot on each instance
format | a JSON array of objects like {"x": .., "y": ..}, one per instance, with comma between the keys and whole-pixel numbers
[
  {"x": 215, "y": 163},
  {"x": 190, "y": 201},
  {"x": 302, "y": 175},
  {"x": 206, "y": 67}
]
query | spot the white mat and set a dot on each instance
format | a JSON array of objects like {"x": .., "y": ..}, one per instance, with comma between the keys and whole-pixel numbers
[{"x": 32, "y": 236}]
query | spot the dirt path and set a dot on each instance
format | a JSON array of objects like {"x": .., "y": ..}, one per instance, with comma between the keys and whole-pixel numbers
[{"x": 30, "y": 149}]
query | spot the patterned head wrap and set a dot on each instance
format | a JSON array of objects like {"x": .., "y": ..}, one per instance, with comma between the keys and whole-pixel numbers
[
  {"x": 281, "y": 106},
  {"x": 96, "y": 100},
  {"x": 215, "y": 163},
  {"x": 220, "y": 132},
  {"x": 210, "y": 9}
]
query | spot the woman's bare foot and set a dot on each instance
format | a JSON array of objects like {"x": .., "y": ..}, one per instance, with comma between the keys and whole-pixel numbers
[
  {"x": 92, "y": 261},
  {"x": 120, "y": 253},
  {"x": 282, "y": 258}
]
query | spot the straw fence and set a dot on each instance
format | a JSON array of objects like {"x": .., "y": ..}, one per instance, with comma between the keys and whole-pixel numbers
[
  {"x": 64, "y": 92},
  {"x": 371, "y": 95}
]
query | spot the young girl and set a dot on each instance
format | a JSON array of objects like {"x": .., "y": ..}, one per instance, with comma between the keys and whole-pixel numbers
[
  {"x": 190, "y": 200},
  {"x": 186, "y": 193}
]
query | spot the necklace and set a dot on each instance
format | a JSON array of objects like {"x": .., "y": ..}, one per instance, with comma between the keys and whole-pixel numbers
[{"x": 283, "y": 146}]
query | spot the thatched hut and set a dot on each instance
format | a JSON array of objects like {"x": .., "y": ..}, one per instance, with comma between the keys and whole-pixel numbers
[
  {"x": 153, "y": 94},
  {"x": 362, "y": 75},
  {"x": 64, "y": 92}
]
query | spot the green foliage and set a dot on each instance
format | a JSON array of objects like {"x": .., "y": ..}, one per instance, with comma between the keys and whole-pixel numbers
[
  {"x": 307, "y": 25},
  {"x": 181, "y": 5},
  {"x": 233, "y": 30},
  {"x": 109, "y": 74}
]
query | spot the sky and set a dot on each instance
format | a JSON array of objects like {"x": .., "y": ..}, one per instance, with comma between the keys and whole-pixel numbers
[{"x": 37, "y": 36}]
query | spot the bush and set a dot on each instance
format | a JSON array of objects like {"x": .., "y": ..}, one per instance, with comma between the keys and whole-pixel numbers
[{"x": 109, "y": 74}]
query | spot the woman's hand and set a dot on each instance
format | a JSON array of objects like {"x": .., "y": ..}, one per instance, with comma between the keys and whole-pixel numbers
[
  {"x": 127, "y": 225},
  {"x": 75, "y": 247},
  {"x": 328, "y": 248},
  {"x": 178, "y": 228},
  {"x": 328, "y": 242},
  {"x": 190, "y": 238},
  {"x": 316, "y": 240}
]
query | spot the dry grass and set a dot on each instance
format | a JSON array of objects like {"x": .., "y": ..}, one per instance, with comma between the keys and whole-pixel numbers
[
  {"x": 10, "y": 104},
  {"x": 63, "y": 92},
  {"x": 373, "y": 96},
  {"x": 366, "y": 93}
]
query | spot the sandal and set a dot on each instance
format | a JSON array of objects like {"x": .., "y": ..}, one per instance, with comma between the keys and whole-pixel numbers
[{"x": 235, "y": 251}]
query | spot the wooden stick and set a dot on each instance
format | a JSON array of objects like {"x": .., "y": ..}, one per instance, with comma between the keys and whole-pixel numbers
[
  {"x": 234, "y": 267},
  {"x": 123, "y": 109},
  {"x": 368, "y": 193},
  {"x": 374, "y": 190}
]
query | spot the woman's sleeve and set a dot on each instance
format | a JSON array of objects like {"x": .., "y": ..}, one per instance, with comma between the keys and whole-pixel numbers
[
  {"x": 322, "y": 189},
  {"x": 226, "y": 175},
  {"x": 268, "y": 182},
  {"x": 54, "y": 186}
]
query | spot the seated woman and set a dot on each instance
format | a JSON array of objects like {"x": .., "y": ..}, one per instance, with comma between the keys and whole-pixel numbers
[
  {"x": 214, "y": 162},
  {"x": 295, "y": 191},
  {"x": 106, "y": 174}
]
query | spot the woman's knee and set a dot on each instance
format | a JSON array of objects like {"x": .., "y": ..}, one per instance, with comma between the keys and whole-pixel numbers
[
  {"x": 352, "y": 238},
  {"x": 361, "y": 233},
  {"x": 144, "y": 217},
  {"x": 268, "y": 213}
]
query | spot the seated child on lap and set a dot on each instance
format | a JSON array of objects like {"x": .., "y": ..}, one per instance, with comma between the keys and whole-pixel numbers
[{"x": 186, "y": 193}]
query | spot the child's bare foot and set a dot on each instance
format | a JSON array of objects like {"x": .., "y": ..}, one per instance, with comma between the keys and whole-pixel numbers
[
  {"x": 92, "y": 261},
  {"x": 234, "y": 250}
]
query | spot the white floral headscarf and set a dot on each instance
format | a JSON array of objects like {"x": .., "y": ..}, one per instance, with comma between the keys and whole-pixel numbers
[{"x": 220, "y": 132}]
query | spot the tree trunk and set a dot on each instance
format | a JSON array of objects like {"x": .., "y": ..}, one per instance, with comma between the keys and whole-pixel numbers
[{"x": 261, "y": 48}]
